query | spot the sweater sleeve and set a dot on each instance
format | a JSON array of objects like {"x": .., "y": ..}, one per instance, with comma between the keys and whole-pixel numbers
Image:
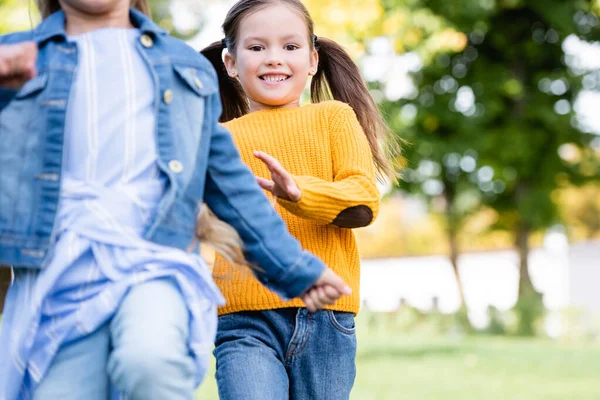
[{"x": 351, "y": 200}]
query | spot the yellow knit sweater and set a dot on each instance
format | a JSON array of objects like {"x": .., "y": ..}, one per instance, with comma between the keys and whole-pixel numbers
[{"x": 324, "y": 147}]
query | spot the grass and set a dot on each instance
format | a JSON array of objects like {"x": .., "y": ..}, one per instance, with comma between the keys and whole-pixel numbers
[{"x": 400, "y": 366}]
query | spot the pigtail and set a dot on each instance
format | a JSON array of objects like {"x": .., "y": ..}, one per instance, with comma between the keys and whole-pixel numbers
[
  {"x": 338, "y": 77},
  {"x": 233, "y": 97}
]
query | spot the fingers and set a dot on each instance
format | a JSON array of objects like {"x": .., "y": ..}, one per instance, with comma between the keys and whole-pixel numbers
[
  {"x": 266, "y": 184},
  {"x": 26, "y": 60},
  {"x": 330, "y": 278},
  {"x": 328, "y": 288},
  {"x": 327, "y": 295},
  {"x": 310, "y": 306},
  {"x": 17, "y": 63},
  {"x": 274, "y": 166},
  {"x": 319, "y": 296},
  {"x": 312, "y": 300},
  {"x": 282, "y": 178},
  {"x": 270, "y": 161},
  {"x": 339, "y": 284},
  {"x": 330, "y": 294},
  {"x": 314, "y": 295}
]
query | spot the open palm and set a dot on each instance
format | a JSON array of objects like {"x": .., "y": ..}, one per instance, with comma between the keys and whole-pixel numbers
[{"x": 282, "y": 184}]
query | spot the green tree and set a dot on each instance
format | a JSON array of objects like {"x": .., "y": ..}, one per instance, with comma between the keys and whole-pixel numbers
[{"x": 490, "y": 122}]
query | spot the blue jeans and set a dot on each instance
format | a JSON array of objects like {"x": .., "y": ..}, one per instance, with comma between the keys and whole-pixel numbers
[
  {"x": 142, "y": 351},
  {"x": 286, "y": 354}
]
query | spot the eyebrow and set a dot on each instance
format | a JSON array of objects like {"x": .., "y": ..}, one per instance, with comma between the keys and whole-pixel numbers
[{"x": 262, "y": 39}]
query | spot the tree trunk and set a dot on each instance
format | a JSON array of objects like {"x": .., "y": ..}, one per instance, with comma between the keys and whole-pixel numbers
[
  {"x": 522, "y": 242},
  {"x": 452, "y": 232},
  {"x": 529, "y": 305},
  {"x": 454, "y": 261}
]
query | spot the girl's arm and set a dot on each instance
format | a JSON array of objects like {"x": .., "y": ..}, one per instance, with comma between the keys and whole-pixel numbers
[
  {"x": 352, "y": 199},
  {"x": 233, "y": 195}
]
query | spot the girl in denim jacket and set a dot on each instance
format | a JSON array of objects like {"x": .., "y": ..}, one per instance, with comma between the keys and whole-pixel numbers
[
  {"x": 319, "y": 163},
  {"x": 106, "y": 153}
]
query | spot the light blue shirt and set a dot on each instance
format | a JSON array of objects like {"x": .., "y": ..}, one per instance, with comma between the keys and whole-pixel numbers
[{"x": 110, "y": 190}]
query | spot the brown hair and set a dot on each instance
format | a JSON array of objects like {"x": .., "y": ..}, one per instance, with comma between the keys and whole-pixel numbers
[
  {"x": 48, "y": 7},
  {"x": 337, "y": 77}
]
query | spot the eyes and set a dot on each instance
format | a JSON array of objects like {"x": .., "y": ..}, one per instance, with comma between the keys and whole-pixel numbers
[{"x": 288, "y": 47}]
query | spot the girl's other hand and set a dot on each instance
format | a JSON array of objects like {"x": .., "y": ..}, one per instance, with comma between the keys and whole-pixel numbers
[
  {"x": 282, "y": 184},
  {"x": 328, "y": 288},
  {"x": 17, "y": 64}
]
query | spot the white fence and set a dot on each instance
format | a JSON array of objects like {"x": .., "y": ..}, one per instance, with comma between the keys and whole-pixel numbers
[{"x": 566, "y": 275}]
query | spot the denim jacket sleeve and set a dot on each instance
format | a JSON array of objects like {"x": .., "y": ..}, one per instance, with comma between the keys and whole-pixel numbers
[{"x": 234, "y": 196}]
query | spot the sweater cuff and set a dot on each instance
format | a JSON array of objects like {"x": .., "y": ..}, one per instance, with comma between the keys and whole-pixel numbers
[
  {"x": 291, "y": 206},
  {"x": 313, "y": 204}
]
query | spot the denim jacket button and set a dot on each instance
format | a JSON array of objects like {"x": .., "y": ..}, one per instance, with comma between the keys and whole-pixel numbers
[
  {"x": 198, "y": 83},
  {"x": 168, "y": 96},
  {"x": 146, "y": 41},
  {"x": 175, "y": 166}
]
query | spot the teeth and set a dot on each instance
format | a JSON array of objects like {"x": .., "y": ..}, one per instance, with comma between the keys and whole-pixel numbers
[{"x": 274, "y": 78}]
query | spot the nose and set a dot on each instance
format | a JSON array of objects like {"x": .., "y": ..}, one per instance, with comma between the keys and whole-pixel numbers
[{"x": 274, "y": 57}]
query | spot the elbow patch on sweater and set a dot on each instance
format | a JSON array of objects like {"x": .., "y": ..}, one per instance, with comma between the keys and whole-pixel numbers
[{"x": 354, "y": 217}]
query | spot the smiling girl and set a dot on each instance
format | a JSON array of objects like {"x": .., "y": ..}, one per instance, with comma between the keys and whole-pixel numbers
[{"x": 319, "y": 162}]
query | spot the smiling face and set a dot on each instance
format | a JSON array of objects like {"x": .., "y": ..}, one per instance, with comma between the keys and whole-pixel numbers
[{"x": 273, "y": 57}]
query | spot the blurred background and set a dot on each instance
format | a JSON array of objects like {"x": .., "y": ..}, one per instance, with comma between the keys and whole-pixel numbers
[{"x": 481, "y": 276}]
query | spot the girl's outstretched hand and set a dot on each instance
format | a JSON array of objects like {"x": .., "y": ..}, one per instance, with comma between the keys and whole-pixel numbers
[
  {"x": 17, "y": 64},
  {"x": 328, "y": 288},
  {"x": 282, "y": 184}
]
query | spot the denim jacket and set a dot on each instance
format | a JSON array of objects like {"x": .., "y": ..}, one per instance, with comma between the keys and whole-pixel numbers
[{"x": 195, "y": 153}]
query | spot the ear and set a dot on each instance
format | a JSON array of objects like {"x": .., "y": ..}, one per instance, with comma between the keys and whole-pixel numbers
[
  {"x": 314, "y": 62},
  {"x": 230, "y": 66}
]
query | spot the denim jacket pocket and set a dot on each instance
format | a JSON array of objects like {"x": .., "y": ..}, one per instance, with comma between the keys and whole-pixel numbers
[
  {"x": 196, "y": 79},
  {"x": 342, "y": 321},
  {"x": 191, "y": 89}
]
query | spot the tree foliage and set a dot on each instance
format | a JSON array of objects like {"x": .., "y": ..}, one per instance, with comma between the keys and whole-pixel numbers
[{"x": 493, "y": 124}]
